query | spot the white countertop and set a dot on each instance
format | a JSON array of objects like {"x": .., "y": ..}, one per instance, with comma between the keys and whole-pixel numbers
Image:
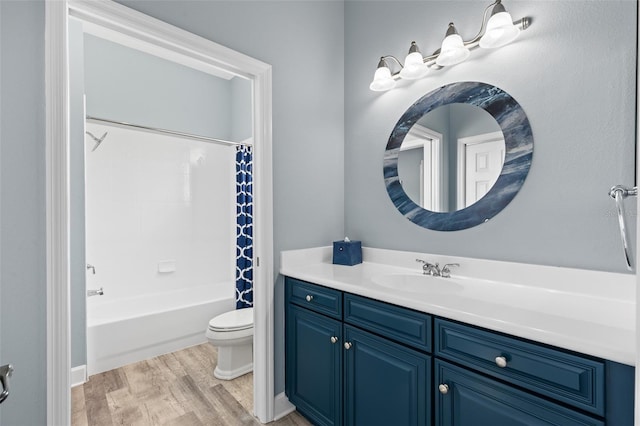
[{"x": 591, "y": 312}]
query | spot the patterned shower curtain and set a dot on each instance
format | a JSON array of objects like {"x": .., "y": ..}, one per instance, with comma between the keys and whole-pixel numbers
[{"x": 244, "y": 227}]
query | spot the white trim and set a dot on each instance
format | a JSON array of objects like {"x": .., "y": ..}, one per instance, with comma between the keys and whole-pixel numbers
[
  {"x": 78, "y": 375},
  {"x": 461, "y": 187},
  {"x": 431, "y": 141},
  {"x": 436, "y": 171},
  {"x": 263, "y": 346},
  {"x": 119, "y": 18},
  {"x": 282, "y": 406},
  {"x": 57, "y": 215},
  {"x": 151, "y": 49}
]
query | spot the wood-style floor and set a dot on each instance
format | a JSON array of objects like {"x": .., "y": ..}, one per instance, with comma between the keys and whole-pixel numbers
[{"x": 176, "y": 389}]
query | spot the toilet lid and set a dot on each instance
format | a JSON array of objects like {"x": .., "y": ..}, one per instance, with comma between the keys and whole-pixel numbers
[{"x": 240, "y": 319}]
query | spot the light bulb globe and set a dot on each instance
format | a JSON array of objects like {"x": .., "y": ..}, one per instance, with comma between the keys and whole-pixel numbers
[
  {"x": 452, "y": 52},
  {"x": 500, "y": 31},
  {"x": 382, "y": 80},
  {"x": 414, "y": 67}
]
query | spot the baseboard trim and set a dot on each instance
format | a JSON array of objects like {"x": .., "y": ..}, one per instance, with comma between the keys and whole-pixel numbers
[
  {"x": 78, "y": 375},
  {"x": 282, "y": 406}
]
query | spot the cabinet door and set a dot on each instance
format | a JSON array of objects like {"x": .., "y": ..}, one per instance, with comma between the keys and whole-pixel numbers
[
  {"x": 314, "y": 365},
  {"x": 385, "y": 383},
  {"x": 465, "y": 398}
]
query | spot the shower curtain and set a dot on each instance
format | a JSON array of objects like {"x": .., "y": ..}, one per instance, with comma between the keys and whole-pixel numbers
[{"x": 244, "y": 227}]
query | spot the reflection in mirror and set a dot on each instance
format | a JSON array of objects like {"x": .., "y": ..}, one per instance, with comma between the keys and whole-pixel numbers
[{"x": 451, "y": 157}]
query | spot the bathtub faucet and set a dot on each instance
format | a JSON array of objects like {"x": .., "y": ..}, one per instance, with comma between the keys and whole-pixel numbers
[{"x": 98, "y": 292}]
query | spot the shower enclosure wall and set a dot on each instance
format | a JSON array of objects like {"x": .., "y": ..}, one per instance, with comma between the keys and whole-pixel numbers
[{"x": 160, "y": 233}]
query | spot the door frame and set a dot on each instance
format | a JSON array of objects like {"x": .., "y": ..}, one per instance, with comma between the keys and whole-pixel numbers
[
  {"x": 161, "y": 34},
  {"x": 431, "y": 143}
]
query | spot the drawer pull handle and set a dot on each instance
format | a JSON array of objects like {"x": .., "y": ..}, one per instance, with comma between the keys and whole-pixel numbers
[
  {"x": 334, "y": 339},
  {"x": 501, "y": 361},
  {"x": 443, "y": 388},
  {"x": 347, "y": 345},
  {"x": 309, "y": 298}
]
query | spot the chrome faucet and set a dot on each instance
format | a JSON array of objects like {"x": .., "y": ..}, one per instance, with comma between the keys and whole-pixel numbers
[
  {"x": 446, "y": 270},
  {"x": 434, "y": 270},
  {"x": 98, "y": 292},
  {"x": 429, "y": 268}
]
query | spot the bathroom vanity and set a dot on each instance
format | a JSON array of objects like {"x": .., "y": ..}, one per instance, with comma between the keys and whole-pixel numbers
[{"x": 367, "y": 350}]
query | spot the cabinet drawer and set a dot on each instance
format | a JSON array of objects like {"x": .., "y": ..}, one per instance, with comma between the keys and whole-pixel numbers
[
  {"x": 400, "y": 324},
  {"x": 465, "y": 398},
  {"x": 569, "y": 378},
  {"x": 317, "y": 298}
]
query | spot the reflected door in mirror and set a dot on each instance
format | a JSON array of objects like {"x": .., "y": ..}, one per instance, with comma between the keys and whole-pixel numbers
[{"x": 480, "y": 160}]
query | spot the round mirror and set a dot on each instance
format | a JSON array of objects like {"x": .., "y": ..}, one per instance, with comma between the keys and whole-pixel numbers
[{"x": 458, "y": 156}]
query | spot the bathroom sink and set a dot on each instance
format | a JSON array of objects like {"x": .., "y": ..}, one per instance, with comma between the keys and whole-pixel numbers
[{"x": 417, "y": 283}]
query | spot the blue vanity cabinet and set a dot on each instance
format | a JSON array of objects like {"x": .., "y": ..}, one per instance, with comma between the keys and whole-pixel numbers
[
  {"x": 351, "y": 360},
  {"x": 364, "y": 367}
]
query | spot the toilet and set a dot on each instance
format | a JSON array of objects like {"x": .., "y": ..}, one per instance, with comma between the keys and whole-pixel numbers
[{"x": 232, "y": 334}]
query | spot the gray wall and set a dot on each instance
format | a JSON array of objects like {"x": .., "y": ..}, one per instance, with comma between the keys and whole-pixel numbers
[
  {"x": 581, "y": 107},
  {"x": 22, "y": 210},
  {"x": 304, "y": 42},
  {"x": 124, "y": 84},
  {"x": 241, "y": 109}
]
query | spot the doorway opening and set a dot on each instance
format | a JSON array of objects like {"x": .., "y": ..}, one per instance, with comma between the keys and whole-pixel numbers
[{"x": 159, "y": 39}]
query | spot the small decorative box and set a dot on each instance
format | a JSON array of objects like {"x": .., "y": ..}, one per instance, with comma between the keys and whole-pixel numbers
[{"x": 347, "y": 252}]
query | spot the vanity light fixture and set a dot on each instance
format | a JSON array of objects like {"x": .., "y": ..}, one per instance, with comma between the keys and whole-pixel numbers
[{"x": 498, "y": 31}]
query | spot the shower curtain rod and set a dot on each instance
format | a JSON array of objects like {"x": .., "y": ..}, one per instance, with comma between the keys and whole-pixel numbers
[{"x": 165, "y": 131}]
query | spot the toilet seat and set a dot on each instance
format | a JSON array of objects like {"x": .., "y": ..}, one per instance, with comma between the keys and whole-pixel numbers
[{"x": 237, "y": 320}]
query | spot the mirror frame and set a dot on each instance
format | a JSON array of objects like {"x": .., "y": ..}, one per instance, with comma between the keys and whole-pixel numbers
[{"x": 518, "y": 139}]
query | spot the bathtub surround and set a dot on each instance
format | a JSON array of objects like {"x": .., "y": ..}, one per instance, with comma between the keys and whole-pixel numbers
[
  {"x": 154, "y": 198},
  {"x": 244, "y": 227}
]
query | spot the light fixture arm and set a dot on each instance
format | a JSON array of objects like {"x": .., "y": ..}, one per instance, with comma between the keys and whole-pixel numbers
[
  {"x": 396, "y": 60},
  {"x": 477, "y": 38}
]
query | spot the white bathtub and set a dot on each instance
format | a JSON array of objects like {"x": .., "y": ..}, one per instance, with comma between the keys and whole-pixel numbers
[{"x": 123, "y": 331}]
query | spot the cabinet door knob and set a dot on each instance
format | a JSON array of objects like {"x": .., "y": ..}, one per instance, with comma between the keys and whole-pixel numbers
[
  {"x": 309, "y": 298},
  {"x": 334, "y": 339},
  {"x": 501, "y": 361},
  {"x": 347, "y": 345},
  {"x": 443, "y": 388}
]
